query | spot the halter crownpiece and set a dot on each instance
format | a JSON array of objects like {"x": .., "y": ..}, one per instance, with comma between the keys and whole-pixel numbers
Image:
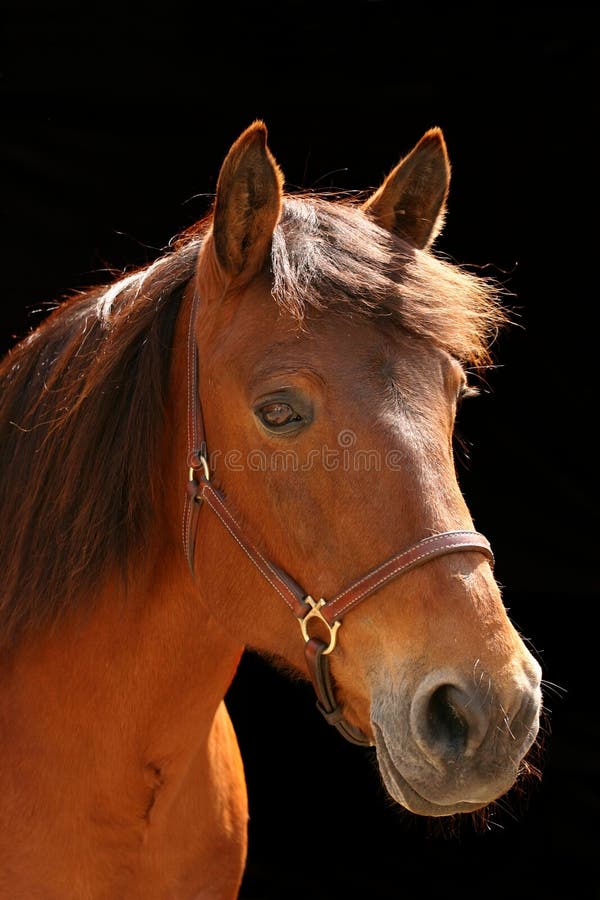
[{"x": 200, "y": 490}]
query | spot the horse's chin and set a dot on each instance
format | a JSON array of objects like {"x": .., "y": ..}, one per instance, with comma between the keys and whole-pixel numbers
[{"x": 403, "y": 793}]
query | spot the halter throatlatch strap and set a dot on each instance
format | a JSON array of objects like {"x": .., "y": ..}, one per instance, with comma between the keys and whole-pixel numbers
[{"x": 200, "y": 490}]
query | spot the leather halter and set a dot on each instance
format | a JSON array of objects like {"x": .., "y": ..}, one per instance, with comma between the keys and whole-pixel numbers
[{"x": 200, "y": 490}]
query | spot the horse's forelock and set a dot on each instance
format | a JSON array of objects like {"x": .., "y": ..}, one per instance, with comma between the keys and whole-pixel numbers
[{"x": 331, "y": 256}]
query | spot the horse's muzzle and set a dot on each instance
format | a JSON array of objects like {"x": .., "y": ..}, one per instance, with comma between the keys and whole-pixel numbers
[{"x": 456, "y": 745}]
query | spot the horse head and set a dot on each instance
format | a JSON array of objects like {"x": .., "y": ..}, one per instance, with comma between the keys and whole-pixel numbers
[{"x": 332, "y": 345}]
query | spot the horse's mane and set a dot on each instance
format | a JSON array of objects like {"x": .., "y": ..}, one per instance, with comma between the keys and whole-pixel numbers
[
  {"x": 83, "y": 396},
  {"x": 81, "y": 405}
]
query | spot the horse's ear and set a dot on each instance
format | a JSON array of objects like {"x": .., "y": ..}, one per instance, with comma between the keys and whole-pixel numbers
[
  {"x": 247, "y": 205},
  {"x": 411, "y": 202}
]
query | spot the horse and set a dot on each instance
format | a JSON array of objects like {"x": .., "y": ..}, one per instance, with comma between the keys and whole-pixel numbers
[{"x": 184, "y": 477}]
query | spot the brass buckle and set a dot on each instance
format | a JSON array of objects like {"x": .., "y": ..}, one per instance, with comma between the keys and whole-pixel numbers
[{"x": 315, "y": 613}]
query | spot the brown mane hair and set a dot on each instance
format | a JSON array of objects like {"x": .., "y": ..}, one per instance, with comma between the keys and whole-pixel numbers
[{"x": 83, "y": 396}]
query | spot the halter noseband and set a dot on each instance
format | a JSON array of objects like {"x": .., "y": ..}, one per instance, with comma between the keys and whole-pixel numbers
[{"x": 330, "y": 613}]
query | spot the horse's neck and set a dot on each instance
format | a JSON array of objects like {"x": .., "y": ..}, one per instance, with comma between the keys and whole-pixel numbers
[
  {"x": 139, "y": 679},
  {"x": 119, "y": 764},
  {"x": 107, "y": 730}
]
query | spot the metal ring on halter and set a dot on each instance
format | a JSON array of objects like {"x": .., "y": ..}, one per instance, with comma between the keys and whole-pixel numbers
[
  {"x": 203, "y": 465},
  {"x": 315, "y": 613}
]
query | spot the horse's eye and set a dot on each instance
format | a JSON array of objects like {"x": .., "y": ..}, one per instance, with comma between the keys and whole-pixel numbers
[{"x": 277, "y": 415}]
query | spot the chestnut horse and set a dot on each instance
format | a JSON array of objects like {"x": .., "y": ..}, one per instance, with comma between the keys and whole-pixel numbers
[{"x": 254, "y": 429}]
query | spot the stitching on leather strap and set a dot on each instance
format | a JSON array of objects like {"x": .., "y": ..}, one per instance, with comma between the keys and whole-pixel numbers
[
  {"x": 210, "y": 496},
  {"x": 404, "y": 567}
]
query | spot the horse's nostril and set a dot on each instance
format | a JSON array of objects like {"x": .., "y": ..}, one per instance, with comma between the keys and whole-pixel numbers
[
  {"x": 447, "y": 727},
  {"x": 448, "y": 721}
]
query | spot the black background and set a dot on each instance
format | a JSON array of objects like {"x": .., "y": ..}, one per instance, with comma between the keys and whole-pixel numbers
[{"x": 114, "y": 123}]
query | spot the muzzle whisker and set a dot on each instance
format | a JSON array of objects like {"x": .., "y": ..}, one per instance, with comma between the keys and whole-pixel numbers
[{"x": 507, "y": 722}]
